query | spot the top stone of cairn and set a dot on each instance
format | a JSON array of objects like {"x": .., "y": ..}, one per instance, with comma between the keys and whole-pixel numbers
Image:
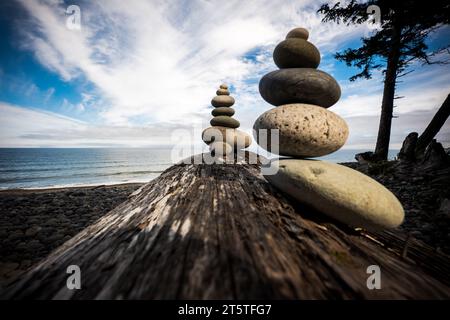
[
  {"x": 301, "y": 33},
  {"x": 223, "y": 98},
  {"x": 223, "y": 90},
  {"x": 296, "y": 51}
]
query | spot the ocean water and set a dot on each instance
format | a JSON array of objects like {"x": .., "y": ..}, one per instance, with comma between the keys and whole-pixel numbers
[
  {"x": 348, "y": 155},
  {"x": 51, "y": 168},
  {"x": 46, "y": 168}
]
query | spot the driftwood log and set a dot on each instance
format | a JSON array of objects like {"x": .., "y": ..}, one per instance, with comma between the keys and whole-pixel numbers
[
  {"x": 222, "y": 232},
  {"x": 434, "y": 126}
]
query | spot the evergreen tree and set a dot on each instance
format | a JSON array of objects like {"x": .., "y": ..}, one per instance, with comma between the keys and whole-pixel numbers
[{"x": 405, "y": 25}]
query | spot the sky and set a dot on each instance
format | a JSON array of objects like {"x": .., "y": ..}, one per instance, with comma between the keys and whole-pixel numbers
[{"x": 142, "y": 73}]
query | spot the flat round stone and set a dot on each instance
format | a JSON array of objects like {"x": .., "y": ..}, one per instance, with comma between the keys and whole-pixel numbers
[
  {"x": 343, "y": 194},
  {"x": 224, "y": 121},
  {"x": 223, "y": 86},
  {"x": 304, "y": 130},
  {"x": 223, "y": 92},
  {"x": 301, "y": 33},
  {"x": 222, "y": 111},
  {"x": 296, "y": 53},
  {"x": 299, "y": 85},
  {"x": 220, "y": 148},
  {"x": 222, "y": 101},
  {"x": 234, "y": 137}
]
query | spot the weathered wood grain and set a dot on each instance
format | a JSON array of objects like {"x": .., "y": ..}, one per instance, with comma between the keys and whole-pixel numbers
[
  {"x": 221, "y": 232},
  {"x": 428, "y": 258}
]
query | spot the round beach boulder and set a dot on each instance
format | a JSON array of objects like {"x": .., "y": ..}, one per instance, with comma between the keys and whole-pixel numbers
[
  {"x": 299, "y": 85},
  {"x": 224, "y": 121},
  {"x": 339, "y": 192},
  {"x": 222, "y": 111},
  {"x": 296, "y": 53},
  {"x": 222, "y": 101},
  {"x": 305, "y": 130},
  {"x": 234, "y": 137}
]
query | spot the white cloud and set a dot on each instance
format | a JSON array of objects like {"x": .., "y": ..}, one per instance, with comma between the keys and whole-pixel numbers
[
  {"x": 163, "y": 60},
  {"x": 23, "y": 127},
  {"x": 70, "y": 107},
  {"x": 159, "y": 63},
  {"x": 363, "y": 133},
  {"x": 48, "y": 94},
  {"x": 31, "y": 90}
]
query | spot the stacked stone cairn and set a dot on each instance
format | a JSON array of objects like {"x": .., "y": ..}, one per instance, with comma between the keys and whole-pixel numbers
[
  {"x": 307, "y": 129},
  {"x": 223, "y": 137}
]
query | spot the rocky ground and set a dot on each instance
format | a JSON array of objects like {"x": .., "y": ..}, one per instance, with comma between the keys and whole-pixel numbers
[
  {"x": 33, "y": 223},
  {"x": 424, "y": 194}
]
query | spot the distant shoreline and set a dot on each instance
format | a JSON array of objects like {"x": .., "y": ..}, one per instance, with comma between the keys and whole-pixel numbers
[
  {"x": 63, "y": 187},
  {"x": 34, "y": 169},
  {"x": 69, "y": 188}
]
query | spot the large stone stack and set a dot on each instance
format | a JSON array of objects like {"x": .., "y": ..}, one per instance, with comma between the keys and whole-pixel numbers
[
  {"x": 223, "y": 137},
  {"x": 302, "y": 94}
]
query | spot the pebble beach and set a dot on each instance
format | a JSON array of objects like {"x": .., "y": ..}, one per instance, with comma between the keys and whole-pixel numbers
[{"x": 35, "y": 222}]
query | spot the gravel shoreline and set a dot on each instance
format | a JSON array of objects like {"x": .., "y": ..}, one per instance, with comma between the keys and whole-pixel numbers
[
  {"x": 425, "y": 197},
  {"x": 35, "y": 222}
]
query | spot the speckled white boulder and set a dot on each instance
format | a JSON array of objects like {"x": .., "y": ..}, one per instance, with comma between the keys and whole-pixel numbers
[
  {"x": 305, "y": 130},
  {"x": 339, "y": 192}
]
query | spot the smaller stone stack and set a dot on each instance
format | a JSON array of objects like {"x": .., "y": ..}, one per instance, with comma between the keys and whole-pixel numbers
[
  {"x": 302, "y": 94},
  {"x": 223, "y": 137}
]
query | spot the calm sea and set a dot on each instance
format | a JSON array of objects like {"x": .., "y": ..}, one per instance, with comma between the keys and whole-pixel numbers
[
  {"x": 43, "y": 168},
  {"x": 47, "y": 168}
]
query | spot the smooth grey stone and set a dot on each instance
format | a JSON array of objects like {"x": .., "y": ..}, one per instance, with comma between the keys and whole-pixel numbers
[
  {"x": 339, "y": 192},
  {"x": 296, "y": 53},
  {"x": 301, "y": 33},
  {"x": 222, "y": 101},
  {"x": 224, "y": 121},
  {"x": 223, "y": 111},
  {"x": 223, "y": 92},
  {"x": 299, "y": 85},
  {"x": 234, "y": 137}
]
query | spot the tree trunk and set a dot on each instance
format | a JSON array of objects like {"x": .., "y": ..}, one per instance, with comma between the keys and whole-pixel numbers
[
  {"x": 387, "y": 105},
  {"x": 222, "y": 232},
  {"x": 433, "y": 128}
]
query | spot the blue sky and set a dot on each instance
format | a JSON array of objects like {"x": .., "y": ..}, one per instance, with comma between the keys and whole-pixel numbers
[{"x": 139, "y": 70}]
